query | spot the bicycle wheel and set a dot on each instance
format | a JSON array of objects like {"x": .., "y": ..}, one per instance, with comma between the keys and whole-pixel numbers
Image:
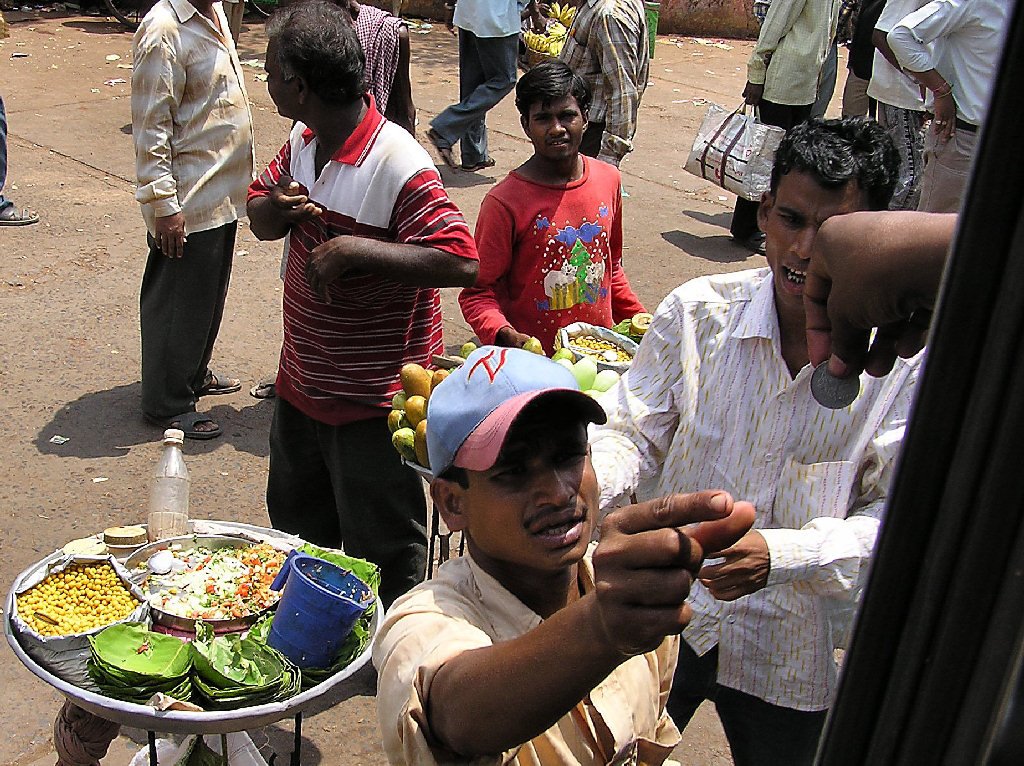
[{"x": 129, "y": 12}]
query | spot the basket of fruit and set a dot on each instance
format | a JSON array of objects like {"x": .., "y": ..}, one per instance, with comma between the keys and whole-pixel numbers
[
  {"x": 606, "y": 348},
  {"x": 408, "y": 418},
  {"x": 58, "y": 606},
  {"x": 545, "y": 42}
]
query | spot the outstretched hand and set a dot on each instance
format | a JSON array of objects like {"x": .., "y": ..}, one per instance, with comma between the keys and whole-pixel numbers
[
  {"x": 646, "y": 562},
  {"x": 873, "y": 270}
]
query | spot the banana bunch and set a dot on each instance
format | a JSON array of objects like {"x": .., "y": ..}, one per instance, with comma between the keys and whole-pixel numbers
[
  {"x": 408, "y": 418},
  {"x": 544, "y": 43},
  {"x": 563, "y": 14}
]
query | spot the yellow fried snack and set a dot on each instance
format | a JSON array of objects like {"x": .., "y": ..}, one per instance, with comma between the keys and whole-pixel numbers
[{"x": 78, "y": 599}]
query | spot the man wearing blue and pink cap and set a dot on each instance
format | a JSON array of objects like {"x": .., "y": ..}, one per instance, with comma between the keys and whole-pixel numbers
[{"x": 538, "y": 647}]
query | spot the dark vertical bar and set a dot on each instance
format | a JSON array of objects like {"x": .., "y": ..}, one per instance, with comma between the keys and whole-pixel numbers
[
  {"x": 940, "y": 627},
  {"x": 297, "y": 747},
  {"x": 152, "y": 748}
]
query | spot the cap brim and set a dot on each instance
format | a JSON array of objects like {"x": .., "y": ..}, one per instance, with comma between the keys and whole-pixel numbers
[{"x": 481, "y": 449}]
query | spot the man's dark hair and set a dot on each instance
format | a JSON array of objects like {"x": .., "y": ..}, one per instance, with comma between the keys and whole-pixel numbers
[
  {"x": 548, "y": 81},
  {"x": 316, "y": 41},
  {"x": 836, "y": 152}
]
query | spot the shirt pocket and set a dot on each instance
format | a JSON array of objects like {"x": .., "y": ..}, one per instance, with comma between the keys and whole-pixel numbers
[{"x": 812, "y": 490}]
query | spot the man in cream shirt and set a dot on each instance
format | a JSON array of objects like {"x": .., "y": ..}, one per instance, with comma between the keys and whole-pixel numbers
[{"x": 194, "y": 161}]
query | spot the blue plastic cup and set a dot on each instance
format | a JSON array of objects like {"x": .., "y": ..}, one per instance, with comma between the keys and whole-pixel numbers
[{"x": 320, "y": 604}]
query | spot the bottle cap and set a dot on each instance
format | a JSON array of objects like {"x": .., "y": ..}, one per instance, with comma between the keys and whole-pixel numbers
[{"x": 174, "y": 436}]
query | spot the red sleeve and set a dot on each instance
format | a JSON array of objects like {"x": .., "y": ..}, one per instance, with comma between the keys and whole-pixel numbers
[
  {"x": 266, "y": 180},
  {"x": 425, "y": 216},
  {"x": 625, "y": 304},
  {"x": 495, "y": 236}
]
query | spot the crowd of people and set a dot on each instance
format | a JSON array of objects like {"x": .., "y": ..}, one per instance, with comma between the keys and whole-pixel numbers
[{"x": 549, "y": 642}]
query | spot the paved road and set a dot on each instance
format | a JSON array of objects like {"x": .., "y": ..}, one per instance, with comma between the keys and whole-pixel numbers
[{"x": 69, "y": 359}]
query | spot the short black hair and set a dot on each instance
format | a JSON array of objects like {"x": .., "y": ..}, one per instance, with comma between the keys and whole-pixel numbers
[
  {"x": 836, "y": 152},
  {"x": 316, "y": 41},
  {"x": 546, "y": 82}
]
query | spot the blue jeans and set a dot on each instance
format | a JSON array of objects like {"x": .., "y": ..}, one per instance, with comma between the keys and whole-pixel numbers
[
  {"x": 3, "y": 154},
  {"x": 759, "y": 733},
  {"x": 487, "y": 73}
]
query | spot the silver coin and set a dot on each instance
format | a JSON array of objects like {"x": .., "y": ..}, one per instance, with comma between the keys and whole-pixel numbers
[{"x": 832, "y": 392}]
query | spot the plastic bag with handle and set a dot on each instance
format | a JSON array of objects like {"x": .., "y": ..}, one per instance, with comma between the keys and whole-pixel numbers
[{"x": 735, "y": 150}]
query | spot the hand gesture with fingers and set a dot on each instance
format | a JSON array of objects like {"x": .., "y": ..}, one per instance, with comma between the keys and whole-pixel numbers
[
  {"x": 291, "y": 200},
  {"x": 744, "y": 571},
  {"x": 327, "y": 263},
  {"x": 646, "y": 561}
]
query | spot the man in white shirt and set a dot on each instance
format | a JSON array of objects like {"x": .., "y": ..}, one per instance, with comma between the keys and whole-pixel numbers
[
  {"x": 488, "y": 45},
  {"x": 718, "y": 396},
  {"x": 901, "y": 108},
  {"x": 194, "y": 161},
  {"x": 952, "y": 48}
]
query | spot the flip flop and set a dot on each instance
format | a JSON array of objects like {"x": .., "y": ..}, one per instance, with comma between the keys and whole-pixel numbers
[
  {"x": 187, "y": 422},
  {"x": 445, "y": 151},
  {"x": 11, "y": 216},
  {"x": 217, "y": 384},
  {"x": 482, "y": 165},
  {"x": 265, "y": 389}
]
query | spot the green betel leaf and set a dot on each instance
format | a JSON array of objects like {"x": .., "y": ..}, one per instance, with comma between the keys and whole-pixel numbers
[
  {"x": 132, "y": 649},
  {"x": 231, "y": 662},
  {"x": 261, "y": 630}
]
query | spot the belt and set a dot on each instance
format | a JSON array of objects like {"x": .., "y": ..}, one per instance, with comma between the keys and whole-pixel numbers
[{"x": 966, "y": 126}]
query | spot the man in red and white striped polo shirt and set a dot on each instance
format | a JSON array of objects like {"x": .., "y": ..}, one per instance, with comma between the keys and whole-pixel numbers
[{"x": 370, "y": 235}]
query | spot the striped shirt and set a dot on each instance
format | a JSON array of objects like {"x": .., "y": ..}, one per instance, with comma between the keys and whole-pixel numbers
[
  {"x": 795, "y": 38},
  {"x": 607, "y": 46},
  {"x": 709, "y": 403},
  {"x": 190, "y": 118},
  {"x": 340, "y": 361}
]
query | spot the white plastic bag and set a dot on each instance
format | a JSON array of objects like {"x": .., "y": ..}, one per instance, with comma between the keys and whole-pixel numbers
[
  {"x": 178, "y": 751},
  {"x": 735, "y": 151}
]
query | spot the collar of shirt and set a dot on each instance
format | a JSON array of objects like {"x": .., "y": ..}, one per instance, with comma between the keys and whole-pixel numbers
[
  {"x": 356, "y": 147},
  {"x": 184, "y": 10},
  {"x": 759, "y": 320},
  {"x": 510, "y": 617}
]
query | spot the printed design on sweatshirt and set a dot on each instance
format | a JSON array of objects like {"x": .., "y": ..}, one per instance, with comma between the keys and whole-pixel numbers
[{"x": 573, "y": 262}]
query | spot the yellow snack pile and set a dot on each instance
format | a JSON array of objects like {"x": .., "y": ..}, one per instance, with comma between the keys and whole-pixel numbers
[
  {"x": 76, "y": 600},
  {"x": 597, "y": 348}
]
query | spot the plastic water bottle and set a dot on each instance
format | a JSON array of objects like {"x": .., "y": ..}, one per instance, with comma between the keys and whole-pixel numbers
[{"x": 168, "y": 495}]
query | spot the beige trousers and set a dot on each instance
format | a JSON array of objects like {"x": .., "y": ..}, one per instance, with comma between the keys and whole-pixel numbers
[{"x": 947, "y": 166}]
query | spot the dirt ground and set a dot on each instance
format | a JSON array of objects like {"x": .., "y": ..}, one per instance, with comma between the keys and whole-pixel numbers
[{"x": 69, "y": 359}]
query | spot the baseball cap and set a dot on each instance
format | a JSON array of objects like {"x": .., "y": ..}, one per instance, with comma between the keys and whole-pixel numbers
[{"x": 472, "y": 410}]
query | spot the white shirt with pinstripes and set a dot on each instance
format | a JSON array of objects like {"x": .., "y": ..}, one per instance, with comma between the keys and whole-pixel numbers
[{"x": 709, "y": 403}]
